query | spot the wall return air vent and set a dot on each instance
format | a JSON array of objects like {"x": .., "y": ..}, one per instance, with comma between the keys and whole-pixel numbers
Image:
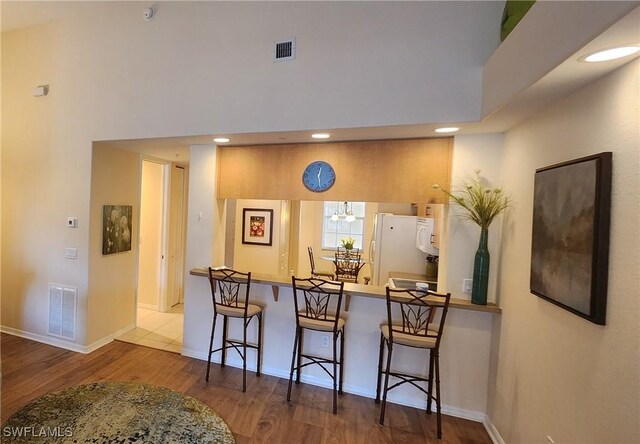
[
  {"x": 62, "y": 311},
  {"x": 284, "y": 50}
]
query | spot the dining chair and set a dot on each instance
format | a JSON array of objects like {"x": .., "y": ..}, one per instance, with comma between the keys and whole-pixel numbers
[
  {"x": 348, "y": 265},
  {"x": 411, "y": 323},
  {"x": 317, "y": 304},
  {"x": 230, "y": 301},
  {"x": 312, "y": 262}
]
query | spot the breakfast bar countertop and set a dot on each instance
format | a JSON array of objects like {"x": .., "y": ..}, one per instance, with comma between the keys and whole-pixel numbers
[{"x": 350, "y": 289}]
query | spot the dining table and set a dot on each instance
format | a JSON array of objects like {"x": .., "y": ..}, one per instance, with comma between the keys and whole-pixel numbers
[{"x": 333, "y": 258}]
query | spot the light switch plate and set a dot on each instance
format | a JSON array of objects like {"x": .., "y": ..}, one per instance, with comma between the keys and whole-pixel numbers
[
  {"x": 72, "y": 222},
  {"x": 71, "y": 253},
  {"x": 467, "y": 285}
]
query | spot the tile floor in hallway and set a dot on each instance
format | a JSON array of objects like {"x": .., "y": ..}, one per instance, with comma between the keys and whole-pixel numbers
[{"x": 158, "y": 330}]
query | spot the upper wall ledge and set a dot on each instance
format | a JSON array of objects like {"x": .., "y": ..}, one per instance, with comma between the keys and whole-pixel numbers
[{"x": 549, "y": 34}]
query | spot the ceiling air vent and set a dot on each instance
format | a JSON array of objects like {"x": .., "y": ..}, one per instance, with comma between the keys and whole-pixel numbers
[{"x": 284, "y": 50}]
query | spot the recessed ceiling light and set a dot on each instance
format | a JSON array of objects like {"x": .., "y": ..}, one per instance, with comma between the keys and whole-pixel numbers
[
  {"x": 221, "y": 140},
  {"x": 451, "y": 129},
  {"x": 321, "y": 135},
  {"x": 610, "y": 54}
]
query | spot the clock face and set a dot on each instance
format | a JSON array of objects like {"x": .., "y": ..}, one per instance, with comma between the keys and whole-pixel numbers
[{"x": 318, "y": 176}]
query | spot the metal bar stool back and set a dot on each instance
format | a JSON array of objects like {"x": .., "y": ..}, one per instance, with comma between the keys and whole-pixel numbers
[
  {"x": 411, "y": 322},
  {"x": 317, "y": 304},
  {"x": 230, "y": 296}
]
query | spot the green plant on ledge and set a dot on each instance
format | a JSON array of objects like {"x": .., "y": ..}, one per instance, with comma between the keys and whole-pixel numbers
[
  {"x": 482, "y": 204},
  {"x": 348, "y": 243}
]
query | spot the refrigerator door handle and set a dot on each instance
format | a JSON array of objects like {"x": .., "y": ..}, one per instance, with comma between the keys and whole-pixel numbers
[
  {"x": 419, "y": 243},
  {"x": 372, "y": 250}
]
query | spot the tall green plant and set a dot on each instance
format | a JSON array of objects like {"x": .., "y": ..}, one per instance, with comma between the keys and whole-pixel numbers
[{"x": 482, "y": 203}]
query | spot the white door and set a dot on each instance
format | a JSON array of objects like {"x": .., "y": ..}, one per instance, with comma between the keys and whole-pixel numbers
[{"x": 151, "y": 236}]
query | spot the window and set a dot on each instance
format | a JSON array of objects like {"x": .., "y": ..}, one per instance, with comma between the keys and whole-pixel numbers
[{"x": 333, "y": 231}]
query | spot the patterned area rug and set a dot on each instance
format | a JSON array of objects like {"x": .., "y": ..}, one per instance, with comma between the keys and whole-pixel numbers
[{"x": 116, "y": 412}]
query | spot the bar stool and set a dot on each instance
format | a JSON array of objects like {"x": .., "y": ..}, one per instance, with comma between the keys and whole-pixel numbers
[
  {"x": 228, "y": 303},
  {"x": 317, "y": 303},
  {"x": 410, "y": 323}
]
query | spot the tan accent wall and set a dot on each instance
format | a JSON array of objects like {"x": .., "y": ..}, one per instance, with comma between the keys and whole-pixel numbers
[{"x": 371, "y": 171}]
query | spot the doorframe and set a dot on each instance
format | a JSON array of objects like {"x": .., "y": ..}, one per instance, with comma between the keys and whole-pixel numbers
[
  {"x": 163, "y": 272},
  {"x": 182, "y": 234}
]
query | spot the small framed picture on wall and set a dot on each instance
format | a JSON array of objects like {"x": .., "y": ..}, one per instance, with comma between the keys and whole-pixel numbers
[
  {"x": 257, "y": 226},
  {"x": 116, "y": 228}
]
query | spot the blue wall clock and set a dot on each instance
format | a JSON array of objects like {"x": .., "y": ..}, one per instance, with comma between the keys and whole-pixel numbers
[{"x": 318, "y": 176}]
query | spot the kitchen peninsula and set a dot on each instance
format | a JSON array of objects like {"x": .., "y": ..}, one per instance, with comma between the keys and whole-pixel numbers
[
  {"x": 464, "y": 352},
  {"x": 350, "y": 289}
]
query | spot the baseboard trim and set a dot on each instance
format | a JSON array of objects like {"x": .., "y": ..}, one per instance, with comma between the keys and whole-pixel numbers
[
  {"x": 104, "y": 341},
  {"x": 55, "y": 342},
  {"x": 491, "y": 429},
  {"x": 61, "y": 343},
  {"x": 354, "y": 390}
]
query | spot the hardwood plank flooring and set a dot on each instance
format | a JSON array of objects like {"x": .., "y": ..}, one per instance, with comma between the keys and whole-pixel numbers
[{"x": 261, "y": 415}]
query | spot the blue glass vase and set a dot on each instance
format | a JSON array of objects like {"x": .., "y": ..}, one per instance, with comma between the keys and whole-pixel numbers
[{"x": 481, "y": 270}]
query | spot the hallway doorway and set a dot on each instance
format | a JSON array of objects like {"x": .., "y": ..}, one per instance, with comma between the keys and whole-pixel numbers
[
  {"x": 162, "y": 240},
  {"x": 158, "y": 330}
]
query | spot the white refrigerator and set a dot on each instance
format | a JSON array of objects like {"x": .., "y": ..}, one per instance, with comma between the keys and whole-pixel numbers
[{"x": 393, "y": 247}]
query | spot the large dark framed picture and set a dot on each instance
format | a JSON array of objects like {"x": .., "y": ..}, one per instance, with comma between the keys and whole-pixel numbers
[
  {"x": 257, "y": 226},
  {"x": 116, "y": 228},
  {"x": 570, "y": 243}
]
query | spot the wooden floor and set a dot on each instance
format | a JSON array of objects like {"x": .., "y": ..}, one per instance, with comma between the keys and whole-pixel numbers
[{"x": 262, "y": 414}]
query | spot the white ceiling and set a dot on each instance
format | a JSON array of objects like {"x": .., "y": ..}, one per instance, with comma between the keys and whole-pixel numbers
[{"x": 561, "y": 81}]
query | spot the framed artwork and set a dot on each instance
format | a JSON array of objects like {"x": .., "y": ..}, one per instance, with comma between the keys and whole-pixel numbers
[
  {"x": 570, "y": 242},
  {"x": 257, "y": 226},
  {"x": 116, "y": 228}
]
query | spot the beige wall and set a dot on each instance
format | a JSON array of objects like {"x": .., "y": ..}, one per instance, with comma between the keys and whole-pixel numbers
[
  {"x": 470, "y": 152},
  {"x": 115, "y": 180},
  {"x": 257, "y": 258},
  {"x": 38, "y": 162},
  {"x": 205, "y": 244},
  {"x": 558, "y": 374},
  {"x": 309, "y": 235}
]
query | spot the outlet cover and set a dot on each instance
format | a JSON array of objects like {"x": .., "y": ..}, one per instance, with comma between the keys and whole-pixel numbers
[
  {"x": 71, "y": 253},
  {"x": 467, "y": 285},
  {"x": 324, "y": 341}
]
